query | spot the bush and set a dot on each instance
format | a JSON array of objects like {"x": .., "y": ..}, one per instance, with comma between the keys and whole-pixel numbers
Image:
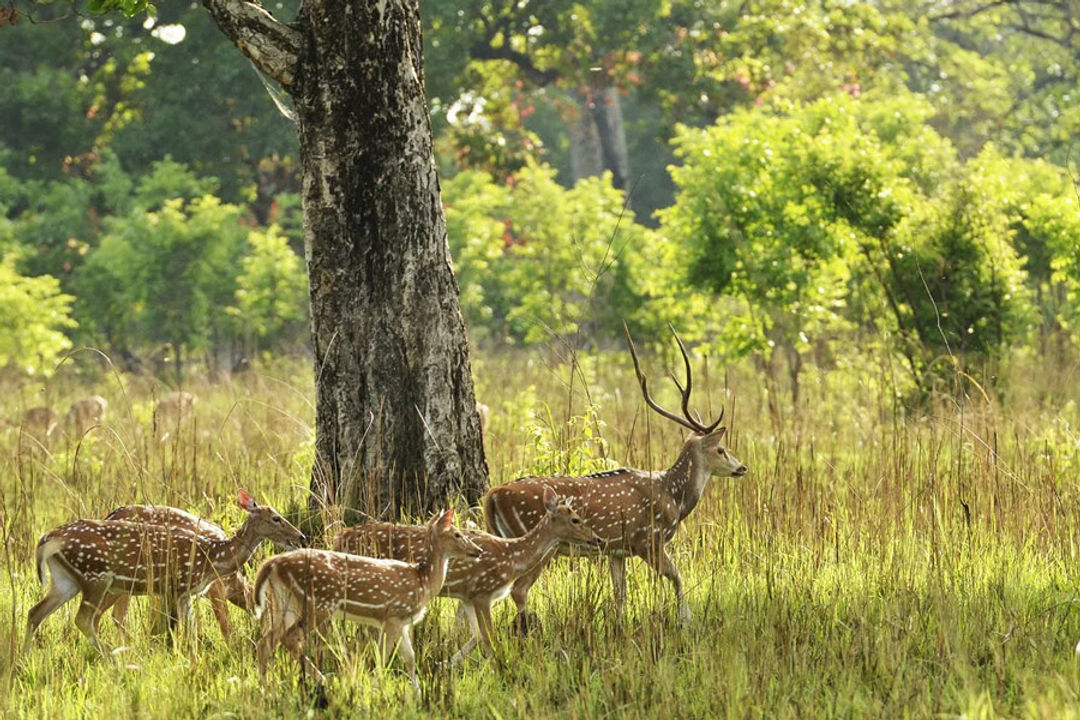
[
  {"x": 536, "y": 260},
  {"x": 36, "y": 314}
]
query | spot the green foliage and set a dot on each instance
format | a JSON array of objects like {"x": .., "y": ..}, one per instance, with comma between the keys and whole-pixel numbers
[
  {"x": 882, "y": 214},
  {"x": 845, "y": 214},
  {"x": 961, "y": 280},
  {"x": 271, "y": 292},
  {"x": 127, "y": 7},
  {"x": 164, "y": 276},
  {"x": 169, "y": 180},
  {"x": 36, "y": 316},
  {"x": 536, "y": 260},
  {"x": 44, "y": 121}
]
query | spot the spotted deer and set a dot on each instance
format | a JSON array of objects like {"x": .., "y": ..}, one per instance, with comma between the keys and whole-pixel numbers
[
  {"x": 170, "y": 413},
  {"x": 106, "y": 560},
  {"x": 477, "y": 582},
  {"x": 635, "y": 512},
  {"x": 305, "y": 588},
  {"x": 84, "y": 414},
  {"x": 39, "y": 422},
  {"x": 223, "y": 590}
]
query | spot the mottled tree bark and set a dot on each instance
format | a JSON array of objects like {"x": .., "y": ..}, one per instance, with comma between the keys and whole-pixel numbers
[
  {"x": 607, "y": 112},
  {"x": 396, "y": 421},
  {"x": 586, "y": 155},
  {"x": 598, "y": 137}
]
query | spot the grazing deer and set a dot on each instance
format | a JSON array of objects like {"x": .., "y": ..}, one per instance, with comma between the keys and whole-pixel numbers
[
  {"x": 477, "y": 582},
  {"x": 108, "y": 559},
  {"x": 226, "y": 589},
  {"x": 39, "y": 422},
  {"x": 171, "y": 410},
  {"x": 84, "y": 414},
  {"x": 308, "y": 587},
  {"x": 635, "y": 512}
]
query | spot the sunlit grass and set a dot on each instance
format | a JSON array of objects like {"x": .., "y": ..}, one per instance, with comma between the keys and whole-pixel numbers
[{"x": 872, "y": 564}]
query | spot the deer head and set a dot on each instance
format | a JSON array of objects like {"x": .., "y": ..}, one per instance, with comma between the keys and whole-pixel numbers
[
  {"x": 265, "y": 522},
  {"x": 445, "y": 538},
  {"x": 566, "y": 523},
  {"x": 707, "y": 440}
]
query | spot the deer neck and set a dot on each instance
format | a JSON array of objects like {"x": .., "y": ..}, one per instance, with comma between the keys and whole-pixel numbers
[
  {"x": 432, "y": 571},
  {"x": 529, "y": 549},
  {"x": 685, "y": 480},
  {"x": 228, "y": 556}
]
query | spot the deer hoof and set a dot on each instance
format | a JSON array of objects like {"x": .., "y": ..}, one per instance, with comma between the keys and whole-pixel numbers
[
  {"x": 321, "y": 700},
  {"x": 526, "y": 622}
]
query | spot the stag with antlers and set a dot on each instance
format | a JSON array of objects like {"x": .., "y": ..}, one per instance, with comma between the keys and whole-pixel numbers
[{"x": 635, "y": 512}]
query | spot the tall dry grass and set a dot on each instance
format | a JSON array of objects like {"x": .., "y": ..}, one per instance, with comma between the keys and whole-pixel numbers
[{"x": 880, "y": 560}]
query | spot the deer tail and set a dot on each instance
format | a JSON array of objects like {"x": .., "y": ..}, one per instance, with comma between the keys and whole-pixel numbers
[
  {"x": 496, "y": 525},
  {"x": 262, "y": 579},
  {"x": 47, "y": 547}
]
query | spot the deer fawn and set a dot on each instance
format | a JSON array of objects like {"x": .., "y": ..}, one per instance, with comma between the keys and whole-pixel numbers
[
  {"x": 635, "y": 512},
  {"x": 84, "y": 414},
  {"x": 108, "y": 559},
  {"x": 477, "y": 582},
  {"x": 226, "y": 589},
  {"x": 308, "y": 587}
]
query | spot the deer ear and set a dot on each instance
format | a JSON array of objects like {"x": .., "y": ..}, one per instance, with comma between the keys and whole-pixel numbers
[
  {"x": 444, "y": 520},
  {"x": 551, "y": 500},
  {"x": 713, "y": 439},
  {"x": 245, "y": 501}
]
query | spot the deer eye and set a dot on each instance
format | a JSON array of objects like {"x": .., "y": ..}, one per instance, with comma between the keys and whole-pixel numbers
[
  {"x": 575, "y": 521},
  {"x": 457, "y": 534},
  {"x": 277, "y": 518}
]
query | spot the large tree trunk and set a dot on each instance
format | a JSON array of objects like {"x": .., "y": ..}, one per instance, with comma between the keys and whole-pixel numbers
[
  {"x": 598, "y": 137},
  {"x": 607, "y": 113},
  {"x": 586, "y": 156},
  {"x": 396, "y": 421}
]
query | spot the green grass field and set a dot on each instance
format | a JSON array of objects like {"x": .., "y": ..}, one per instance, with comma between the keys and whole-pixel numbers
[{"x": 872, "y": 564}]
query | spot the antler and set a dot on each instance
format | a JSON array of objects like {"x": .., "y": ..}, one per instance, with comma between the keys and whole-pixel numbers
[{"x": 687, "y": 420}]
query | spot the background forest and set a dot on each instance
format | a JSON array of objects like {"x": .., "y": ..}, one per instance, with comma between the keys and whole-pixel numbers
[{"x": 783, "y": 181}]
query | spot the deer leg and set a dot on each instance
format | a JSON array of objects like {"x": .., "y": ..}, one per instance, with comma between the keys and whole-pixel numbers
[
  {"x": 398, "y": 635},
  {"x": 391, "y": 633},
  {"x": 217, "y": 593},
  {"x": 461, "y": 616},
  {"x": 293, "y": 640},
  {"x": 264, "y": 649},
  {"x": 617, "y": 564},
  {"x": 520, "y": 594},
  {"x": 293, "y": 637},
  {"x": 238, "y": 592},
  {"x": 661, "y": 562},
  {"x": 278, "y": 623},
  {"x": 62, "y": 587},
  {"x": 467, "y": 609},
  {"x": 176, "y": 609},
  {"x": 483, "y": 612},
  {"x": 120, "y": 613},
  {"x": 408, "y": 656},
  {"x": 95, "y": 601}
]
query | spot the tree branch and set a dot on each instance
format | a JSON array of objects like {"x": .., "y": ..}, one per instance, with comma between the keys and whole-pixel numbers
[
  {"x": 969, "y": 12},
  {"x": 271, "y": 45},
  {"x": 483, "y": 51}
]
